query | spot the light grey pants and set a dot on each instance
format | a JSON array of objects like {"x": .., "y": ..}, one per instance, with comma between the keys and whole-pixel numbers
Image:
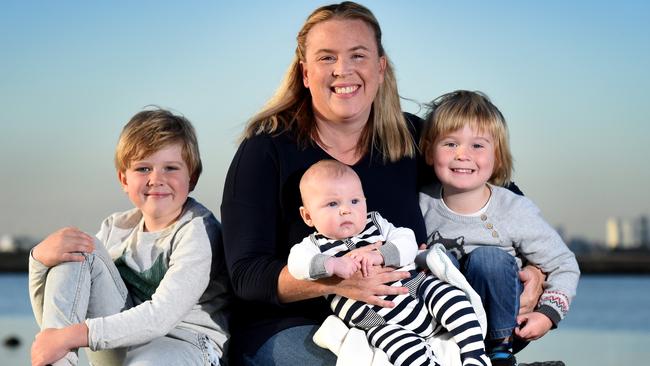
[{"x": 75, "y": 291}]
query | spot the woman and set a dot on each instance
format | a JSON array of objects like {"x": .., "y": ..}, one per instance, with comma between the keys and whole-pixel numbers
[{"x": 339, "y": 100}]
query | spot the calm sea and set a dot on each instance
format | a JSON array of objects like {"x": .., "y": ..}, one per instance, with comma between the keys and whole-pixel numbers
[{"x": 609, "y": 321}]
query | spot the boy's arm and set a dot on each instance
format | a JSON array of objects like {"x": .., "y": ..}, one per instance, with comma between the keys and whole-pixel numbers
[
  {"x": 183, "y": 284},
  {"x": 61, "y": 246},
  {"x": 400, "y": 247},
  {"x": 541, "y": 245},
  {"x": 306, "y": 262}
]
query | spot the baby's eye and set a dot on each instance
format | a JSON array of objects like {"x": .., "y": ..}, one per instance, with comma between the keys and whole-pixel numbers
[
  {"x": 355, "y": 201},
  {"x": 332, "y": 204}
]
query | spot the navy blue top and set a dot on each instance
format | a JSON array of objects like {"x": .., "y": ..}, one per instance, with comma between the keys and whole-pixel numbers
[{"x": 261, "y": 222}]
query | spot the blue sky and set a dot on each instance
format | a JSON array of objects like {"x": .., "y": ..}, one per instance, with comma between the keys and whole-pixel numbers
[{"x": 571, "y": 78}]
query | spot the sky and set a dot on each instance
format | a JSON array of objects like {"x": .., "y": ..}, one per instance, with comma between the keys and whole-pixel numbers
[{"x": 571, "y": 78}]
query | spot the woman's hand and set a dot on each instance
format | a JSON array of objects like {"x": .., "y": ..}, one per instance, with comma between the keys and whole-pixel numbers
[
  {"x": 51, "y": 345},
  {"x": 533, "y": 279},
  {"x": 372, "y": 288},
  {"x": 63, "y": 245}
]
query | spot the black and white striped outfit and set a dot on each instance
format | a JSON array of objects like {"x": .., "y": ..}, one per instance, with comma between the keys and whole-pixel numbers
[{"x": 431, "y": 306}]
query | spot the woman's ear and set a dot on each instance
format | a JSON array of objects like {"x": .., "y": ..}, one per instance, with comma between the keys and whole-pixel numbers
[{"x": 305, "y": 77}]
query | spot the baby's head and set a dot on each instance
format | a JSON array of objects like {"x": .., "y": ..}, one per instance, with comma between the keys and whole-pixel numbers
[
  {"x": 465, "y": 138},
  {"x": 158, "y": 164},
  {"x": 333, "y": 200}
]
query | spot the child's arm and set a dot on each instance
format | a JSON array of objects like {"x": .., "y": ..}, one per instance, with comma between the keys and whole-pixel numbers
[
  {"x": 400, "y": 247},
  {"x": 343, "y": 267},
  {"x": 542, "y": 246},
  {"x": 306, "y": 262},
  {"x": 60, "y": 246},
  {"x": 533, "y": 326}
]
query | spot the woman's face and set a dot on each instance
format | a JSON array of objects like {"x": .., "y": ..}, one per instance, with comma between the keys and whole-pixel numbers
[{"x": 342, "y": 70}]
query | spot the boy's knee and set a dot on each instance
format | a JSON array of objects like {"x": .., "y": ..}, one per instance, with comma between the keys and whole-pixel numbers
[{"x": 488, "y": 261}]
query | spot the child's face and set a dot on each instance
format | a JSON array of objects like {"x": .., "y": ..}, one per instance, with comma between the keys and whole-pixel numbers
[
  {"x": 335, "y": 206},
  {"x": 158, "y": 185},
  {"x": 463, "y": 160}
]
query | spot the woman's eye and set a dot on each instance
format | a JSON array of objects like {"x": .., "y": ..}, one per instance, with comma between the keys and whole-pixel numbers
[
  {"x": 358, "y": 56},
  {"x": 327, "y": 58}
]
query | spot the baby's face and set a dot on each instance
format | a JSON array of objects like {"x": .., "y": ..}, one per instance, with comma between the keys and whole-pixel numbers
[{"x": 335, "y": 206}]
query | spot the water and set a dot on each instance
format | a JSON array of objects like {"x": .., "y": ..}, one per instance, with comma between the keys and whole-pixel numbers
[{"x": 608, "y": 324}]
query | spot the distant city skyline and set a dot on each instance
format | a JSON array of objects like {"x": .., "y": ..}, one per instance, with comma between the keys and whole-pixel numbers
[{"x": 571, "y": 79}]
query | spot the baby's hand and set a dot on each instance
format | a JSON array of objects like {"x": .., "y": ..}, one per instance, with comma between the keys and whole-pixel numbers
[
  {"x": 532, "y": 326},
  {"x": 63, "y": 245},
  {"x": 368, "y": 256},
  {"x": 343, "y": 267}
]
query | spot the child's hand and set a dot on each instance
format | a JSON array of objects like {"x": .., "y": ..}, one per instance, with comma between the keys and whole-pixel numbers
[
  {"x": 343, "y": 267},
  {"x": 532, "y": 326},
  {"x": 63, "y": 245},
  {"x": 367, "y": 256}
]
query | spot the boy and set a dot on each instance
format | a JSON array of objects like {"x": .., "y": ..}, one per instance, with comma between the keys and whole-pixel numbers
[
  {"x": 145, "y": 285},
  {"x": 349, "y": 239},
  {"x": 488, "y": 228}
]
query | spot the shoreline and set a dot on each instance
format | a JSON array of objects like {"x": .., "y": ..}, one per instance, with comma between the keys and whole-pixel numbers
[{"x": 614, "y": 262}]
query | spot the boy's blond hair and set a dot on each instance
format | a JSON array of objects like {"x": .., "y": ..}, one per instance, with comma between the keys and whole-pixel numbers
[
  {"x": 151, "y": 130},
  {"x": 452, "y": 111}
]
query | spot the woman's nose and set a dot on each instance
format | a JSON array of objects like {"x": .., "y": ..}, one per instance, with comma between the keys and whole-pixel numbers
[{"x": 342, "y": 67}]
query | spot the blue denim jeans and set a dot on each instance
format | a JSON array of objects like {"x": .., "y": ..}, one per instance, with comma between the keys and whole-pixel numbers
[
  {"x": 494, "y": 275},
  {"x": 290, "y": 347},
  {"x": 75, "y": 291}
]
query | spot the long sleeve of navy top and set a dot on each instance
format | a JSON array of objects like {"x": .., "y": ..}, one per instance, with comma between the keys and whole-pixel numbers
[{"x": 261, "y": 221}]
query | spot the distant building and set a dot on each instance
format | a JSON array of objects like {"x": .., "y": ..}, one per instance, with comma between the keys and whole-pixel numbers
[
  {"x": 643, "y": 232},
  {"x": 620, "y": 234},
  {"x": 10, "y": 243},
  {"x": 7, "y": 244}
]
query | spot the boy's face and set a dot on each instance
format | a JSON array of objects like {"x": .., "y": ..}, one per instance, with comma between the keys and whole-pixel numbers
[
  {"x": 158, "y": 185},
  {"x": 463, "y": 160},
  {"x": 335, "y": 206}
]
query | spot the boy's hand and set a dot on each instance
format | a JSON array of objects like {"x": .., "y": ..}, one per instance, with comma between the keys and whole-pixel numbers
[
  {"x": 63, "y": 245},
  {"x": 343, "y": 267},
  {"x": 367, "y": 256},
  {"x": 532, "y": 326}
]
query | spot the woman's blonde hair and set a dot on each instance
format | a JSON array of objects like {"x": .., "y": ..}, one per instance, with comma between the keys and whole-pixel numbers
[
  {"x": 452, "y": 111},
  {"x": 152, "y": 130},
  {"x": 290, "y": 107}
]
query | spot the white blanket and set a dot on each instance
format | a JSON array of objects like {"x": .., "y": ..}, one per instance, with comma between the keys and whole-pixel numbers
[{"x": 351, "y": 345}]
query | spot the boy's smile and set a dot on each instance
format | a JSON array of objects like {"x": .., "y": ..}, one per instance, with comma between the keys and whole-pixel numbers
[{"x": 158, "y": 185}]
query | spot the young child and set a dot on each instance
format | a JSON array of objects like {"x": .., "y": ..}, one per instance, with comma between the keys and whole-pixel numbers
[
  {"x": 488, "y": 228},
  {"x": 146, "y": 286},
  {"x": 349, "y": 239}
]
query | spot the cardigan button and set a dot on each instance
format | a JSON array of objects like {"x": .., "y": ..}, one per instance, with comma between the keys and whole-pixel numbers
[
  {"x": 483, "y": 217},
  {"x": 495, "y": 234},
  {"x": 489, "y": 226}
]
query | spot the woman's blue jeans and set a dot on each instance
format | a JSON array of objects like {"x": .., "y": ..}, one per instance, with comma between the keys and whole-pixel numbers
[
  {"x": 290, "y": 347},
  {"x": 494, "y": 275}
]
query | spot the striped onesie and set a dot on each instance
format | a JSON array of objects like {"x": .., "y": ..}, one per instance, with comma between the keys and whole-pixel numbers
[{"x": 431, "y": 306}]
